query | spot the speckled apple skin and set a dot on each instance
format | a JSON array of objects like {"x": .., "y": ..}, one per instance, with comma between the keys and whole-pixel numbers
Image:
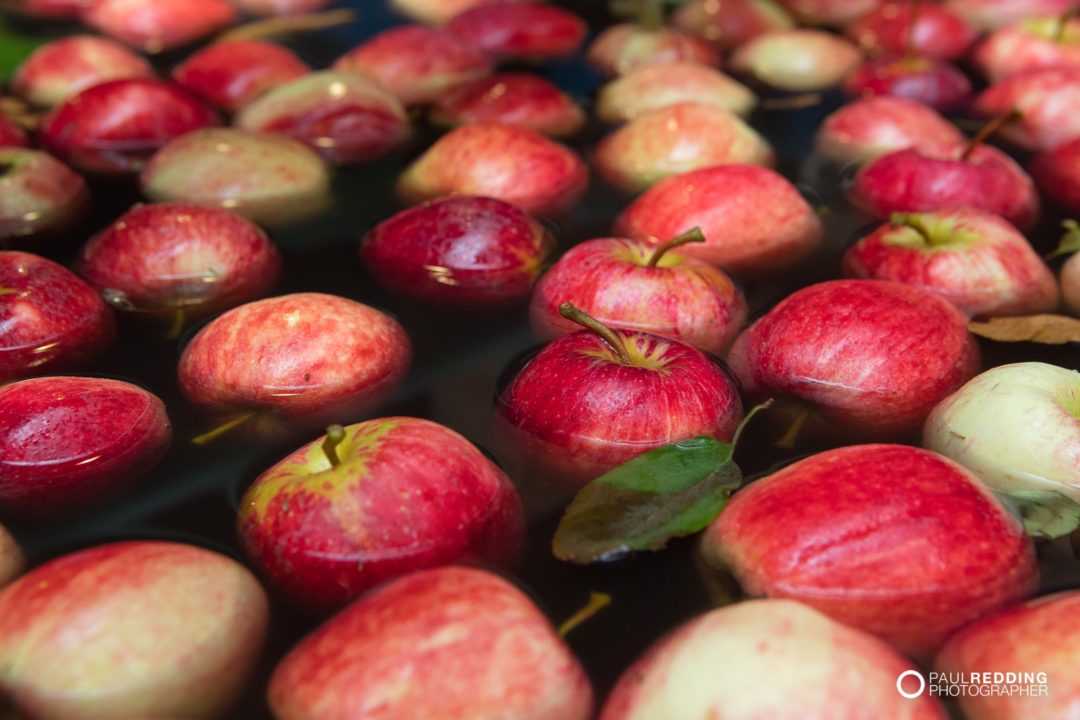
[
  {"x": 915, "y": 546},
  {"x": 70, "y": 443},
  {"x": 657, "y": 86},
  {"x": 116, "y": 126},
  {"x": 451, "y": 643},
  {"x": 867, "y": 128},
  {"x": 464, "y": 250},
  {"x": 1040, "y": 636},
  {"x": 1070, "y": 284},
  {"x": 11, "y": 135},
  {"x": 1045, "y": 97},
  {"x": 574, "y": 411},
  {"x": 934, "y": 83},
  {"x": 512, "y": 98},
  {"x": 529, "y": 31},
  {"x": 156, "y": 25},
  {"x": 38, "y": 193},
  {"x": 829, "y": 12},
  {"x": 307, "y": 359},
  {"x": 410, "y": 494},
  {"x": 938, "y": 34},
  {"x": 677, "y": 139},
  {"x": 416, "y": 64},
  {"x": 933, "y": 178},
  {"x": 609, "y": 278},
  {"x": 144, "y": 628},
  {"x": 1027, "y": 45},
  {"x": 505, "y": 162},
  {"x": 733, "y": 22},
  {"x": 281, "y": 7},
  {"x": 800, "y": 60},
  {"x": 54, "y": 321},
  {"x": 988, "y": 269},
  {"x": 775, "y": 659},
  {"x": 990, "y": 14},
  {"x": 12, "y": 561},
  {"x": 67, "y": 66},
  {"x": 626, "y": 46},
  {"x": 873, "y": 357},
  {"x": 755, "y": 222},
  {"x": 160, "y": 257},
  {"x": 231, "y": 74}
]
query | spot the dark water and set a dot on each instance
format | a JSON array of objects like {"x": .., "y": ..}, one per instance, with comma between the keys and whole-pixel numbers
[{"x": 458, "y": 357}]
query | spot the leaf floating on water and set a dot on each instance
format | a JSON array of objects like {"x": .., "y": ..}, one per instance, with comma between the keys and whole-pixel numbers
[
  {"x": 1045, "y": 329},
  {"x": 1070, "y": 241},
  {"x": 1045, "y": 513}
]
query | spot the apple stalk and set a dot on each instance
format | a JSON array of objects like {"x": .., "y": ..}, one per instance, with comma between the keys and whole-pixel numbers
[
  {"x": 693, "y": 235},
  {"x": 335, "y": 434},
  {"x": 988, "y": 130},
  {"x": 609, "y": 336}
]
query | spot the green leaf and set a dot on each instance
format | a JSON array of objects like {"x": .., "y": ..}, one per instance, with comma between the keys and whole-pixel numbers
[
  {"x": 1045, "y": 513},
  {"x": 1070, "y": 241},
  {"x": 15, "y": 47}
]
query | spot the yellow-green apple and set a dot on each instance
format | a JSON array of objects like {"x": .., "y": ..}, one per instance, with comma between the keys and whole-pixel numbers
[
  {"x": 653, "y": 87},
  {"x": 303, "y": 360},
  {"x": 67, "y": 66},
  {"x": 776, "y": 659},
  {"x": 130, "y": 629},
  {"x": 755, "y": 222},
  {"x": 677, "y": 139},
  {"x": 511, "y": 98},
  {"x": 1038, "y": 643},
  {"x": 993, "y": 422},
  {"x": 829, "y": 12},
  {"x": 623, "y": 47},
  {"x": 505, "y": 162},
  {"x": 51, "y": 319},
  {"x": 798, "y": 60},
  {"x": 991, "y": 14},
  {"x": 935, "y": 83},
  {"x": 11, "y": 557},
  {"x": 328, "y": 522},
  {"x": 232, "y": 73},
  {"x": 462, "y": 250},
  {"x": 346, "y": 118},
  {"x": 867, "y": 128},
  {"x": 975, "y": 260},
  {"x": 913, "y": 28},
  {"x": 451, "y": 643},
  {"x": 893, "y": 540},
  {"x": 1029, "y": 44},
  {"x": 269, "y": 179},
  {"x": 68, "y": 444},
  {"x": 38, "y": 193},
  {"x": 154, "y": 26},
  {"x": 520, "y": 31},
  {"x": 1044, "y": 97},
  {"x": 179, "y": 258},
  {"x": 635, "y": 285},
  {"x": 870, "y": 357},
  {"x": 437, "y": 12},
  {"x": 416, "y": 64},
  {"x": 591, "y": 400},
  {"x": 731, "y": 23},
  {"x": 1070, "y": 283}
]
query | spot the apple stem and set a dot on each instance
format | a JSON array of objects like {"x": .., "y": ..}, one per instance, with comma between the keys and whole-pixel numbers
[
  {"x": 746, "y": 421},
  {"x": 8, "y": 291},
  {"x": 208, "y": 437},
  {"x": 909, "y": 45},
  {"x": 1070, "y": 241},
  {"x": 177, "y": 325},
  {"x": 609, "y": 336},
  {"x": 1063, "y": 23},
  {"x": 792, "y": 435},
  {"x": 597, "y": 602},
  {"x": 988, "y": 131},
  {"x": 690, "y": 236},
  {"x": 335, "y": 434},
  {"x": 290, "y": 25}
]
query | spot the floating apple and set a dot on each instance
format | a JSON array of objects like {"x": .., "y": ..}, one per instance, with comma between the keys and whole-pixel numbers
[
  {"x": 867, "y": 128},
  {"x": 658, "y": 86},
  {"x": 636, "y": 285},
  {"x": 231, "y": 74},
  {"x": 1057, "y": 172},
  {"x": 934, "y": 83},
  {"x": 444, "y": 643},
  {"x": 68, "y": 444},
  {"x": 38, "y": 193},
  {"x": 525, "y": 31},
  {"x": 269, "y": 179},
  {"x": 62, "y": 68},
  {"x": 51, "y": 319},
  {"x": 11, "y": 135},
  {"x": 731, "y": 23},
  {"x": 462, "y": 250},
  {"x": 754, "y": 221},
  {"x": 521, "y": 99},
  {"x": 437, "y": 12},
  {"x": 1029, "y": 44},
  {"x": 919, "y": 29},
  {"x": 1044, "y": 98},
  {"x": 11, "y": 558},
  {"x": 281, "y": 7},
  {"x": 872, "y": 357},
  {"x": 626, "y": 46},
  {"x": 798, "y": 60},
  {"x": 991, "y": 14},
  {"x": 677, "y": 139},
  {"x": 143, "y": 628},
  {"x": 829, "y": 12},
  {"x": 157, "y": 25}
]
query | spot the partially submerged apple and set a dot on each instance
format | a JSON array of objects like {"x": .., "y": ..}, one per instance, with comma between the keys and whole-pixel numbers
[
  {"x": 626, "y": 46},
  {"x": 154, "y": 26},
  {"x": 798, "y": 60},
  {"x": 62, "y": 68},
  {"x": 511, "y": 98},
  {"x": 232, "y": 73},
  {"x": 654, "y": 87},
  {"x": 868, "y": 128},
  {"x": 38, "y": 193}
]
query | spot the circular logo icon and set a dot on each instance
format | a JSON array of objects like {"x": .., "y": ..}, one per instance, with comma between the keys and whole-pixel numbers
[{"x": 900, "y": 684}]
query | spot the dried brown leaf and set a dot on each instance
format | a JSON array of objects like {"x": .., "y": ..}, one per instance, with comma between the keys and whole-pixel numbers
[{"x": 1045, "y": 329}]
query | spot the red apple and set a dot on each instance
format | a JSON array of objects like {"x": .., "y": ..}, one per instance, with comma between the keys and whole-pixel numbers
[
  {"x": 870, "y": 127},
  {"x": 462, "y": 250},
  {"x": 896, "y": 541},
  {"x": 677, "y": 139},
  {"x": 829, "y": 12},
  {"x": 635, "y": 285},
  {"x": 798, "y": 60},
  {"x": 157, "y": 25},
  {"x": 755, "y": 222},
  {"x": 418, "y": 65},
  {"x": 302, "y": 361},
  {"x": 281, "y": 7},
  {"x": 62, "y": 68},
  {"x": 1029, "y": 44},
  {"x": 437, "y": 12},
  {"x": 130, "y": 629},
  {"x": 11, "y": 135},
  {"x": 590, "y": 401},
  {"x": 934, "y": 83},
  {"x": 50, "y": 9},
  {"x": 115, "y": 127},
  {"x": 775, "y": 659},
  {"x": 897, "y": 28},
  {"x": 231, "y": 74},
  {"x": 1045, "y": 98},
  {"x": 38, "y": 193},
  {"x": 871, "y": 357},
  {"x": 506, "y": 162},
  {"x": 730, "y": 23},
  {"x": 521, "y": 99},
  {"x": 11, "y": 558},
  {"x": 1057, "y": 172},
  {"x": 626, "y": 46},
  {"x": 68, "y": 444},
  {"x": 514, "y": 30},
  {"x": 658, "y": 86},
  {"x": 1070, "y": 284},
  {"x": 269, "y": 179},
  {"x": 991, "y": 14},
  {"x": 328, "y": 523},
  {"x": 175, "y": 257},
  {"x": 975, "y": 260},
  {"x": 450, "y": 643},
  {"x": 51, "y": 319}
]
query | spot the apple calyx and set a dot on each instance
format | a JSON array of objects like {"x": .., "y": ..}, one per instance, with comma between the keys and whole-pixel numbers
[
  {"x": 289, "y": 25},
  {"x": 694, "y": 235},
  {"x": 647, "y": 13},
  {"x": 1070, "y": 241},
  {"x": 335, "y": 435},
  {"x": 988, "y": 130},
  {"x": 914, "y": 221},
  {"x": 609, "y": 336}
]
